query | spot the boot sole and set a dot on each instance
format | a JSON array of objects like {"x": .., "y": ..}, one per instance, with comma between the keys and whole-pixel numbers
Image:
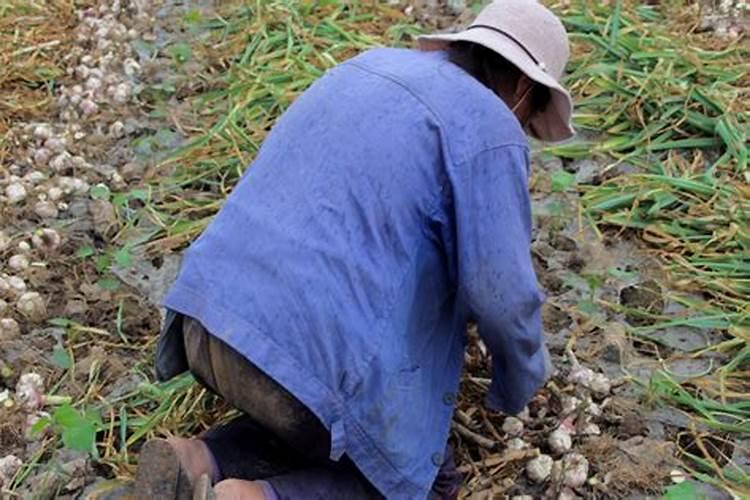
[{"x": 159, "y": 475}]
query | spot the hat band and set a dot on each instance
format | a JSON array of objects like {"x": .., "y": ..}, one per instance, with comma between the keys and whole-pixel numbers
[{"x": 512, "y": 38}]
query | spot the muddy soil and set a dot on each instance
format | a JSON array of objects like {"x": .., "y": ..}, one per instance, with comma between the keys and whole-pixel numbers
[{"x": 587, "y": 433}]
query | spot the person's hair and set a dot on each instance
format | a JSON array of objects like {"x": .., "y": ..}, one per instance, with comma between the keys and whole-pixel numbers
[{"x": 493, "y": 70}]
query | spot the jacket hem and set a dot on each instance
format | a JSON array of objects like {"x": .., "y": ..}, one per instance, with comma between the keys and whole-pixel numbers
[{"x": 261, "y": 349}]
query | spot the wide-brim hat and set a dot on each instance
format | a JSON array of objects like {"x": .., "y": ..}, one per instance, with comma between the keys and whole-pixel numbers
[{"x": 533, "y": 39}]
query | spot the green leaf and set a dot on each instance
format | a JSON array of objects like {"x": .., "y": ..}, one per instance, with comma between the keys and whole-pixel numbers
[
  {"x": 67, "y": 416},
  {"x": 193, "y": 16},
  {"x": 120, "y": 200},
  {"x": 100, "y": 192},
  {"x": 594, "y": 281},
  {"x": 84, "y": 252},
  {"x": 123, "y": 257},
  {"x": 110, "y": 284},
  {"x": 48, "y": 73},
  {"x": 81, "y": 437},
  {"x": 78, "y": 430},
  {"x": 587, "y": 307},
  {"x": 562, "y": 181},
  {"x": 61, "y": 322},
  {"x": 143, "y": 146},
  {"x": 103, "y": 262},
  {"x": 139, "y": 194},
  {"x": 683, "y": 491},
  {"x": 61, "y": 358},
  {"x": 180, "y": 52}
]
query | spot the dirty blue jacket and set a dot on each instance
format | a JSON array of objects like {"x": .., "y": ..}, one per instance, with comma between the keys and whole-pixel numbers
[{"x": 388, "y": 206}]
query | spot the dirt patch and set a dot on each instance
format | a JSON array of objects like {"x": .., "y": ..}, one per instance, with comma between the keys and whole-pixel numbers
[
  {"x": 634, "y": 464},
  {"x": 12, "y": 441},
  {"x": 555, "y": 318},
  {"x": 646, "y": 297}
]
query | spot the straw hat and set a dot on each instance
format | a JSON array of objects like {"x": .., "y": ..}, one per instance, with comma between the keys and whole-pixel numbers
[{"x": 532, "y": 38}]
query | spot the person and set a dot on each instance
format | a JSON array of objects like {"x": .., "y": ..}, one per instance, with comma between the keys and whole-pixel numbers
[{"x": 328, "y": 300}]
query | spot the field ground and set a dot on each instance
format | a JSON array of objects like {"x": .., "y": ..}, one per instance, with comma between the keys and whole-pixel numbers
[{"x": 123, "y": 126}]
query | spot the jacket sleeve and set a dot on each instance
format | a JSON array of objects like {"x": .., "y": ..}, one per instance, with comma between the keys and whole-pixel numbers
[{"x": 496, "y": 279}]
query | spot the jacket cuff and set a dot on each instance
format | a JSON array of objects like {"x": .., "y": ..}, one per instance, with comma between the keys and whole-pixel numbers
[{"x": 513, "y": 386}]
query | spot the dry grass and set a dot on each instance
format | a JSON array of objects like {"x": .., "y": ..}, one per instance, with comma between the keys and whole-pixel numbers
[{"x": 35, "y": 37}]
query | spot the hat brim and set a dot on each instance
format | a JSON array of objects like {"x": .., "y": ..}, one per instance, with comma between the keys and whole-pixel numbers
[{"x": 551, "y": 125}]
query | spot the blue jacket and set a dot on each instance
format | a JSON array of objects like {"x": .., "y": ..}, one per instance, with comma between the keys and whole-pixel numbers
[{"x": 388, "y": 206}]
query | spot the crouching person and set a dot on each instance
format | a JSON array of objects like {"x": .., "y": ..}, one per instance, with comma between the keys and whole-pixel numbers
[{"x": 328, "y": 300}]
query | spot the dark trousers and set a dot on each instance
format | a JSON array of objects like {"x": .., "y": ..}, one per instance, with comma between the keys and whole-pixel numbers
[{"x": 278, "y": 439}]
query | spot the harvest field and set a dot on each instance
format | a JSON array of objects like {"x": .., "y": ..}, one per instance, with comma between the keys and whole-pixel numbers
[{"x": 125, "y": 124}]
